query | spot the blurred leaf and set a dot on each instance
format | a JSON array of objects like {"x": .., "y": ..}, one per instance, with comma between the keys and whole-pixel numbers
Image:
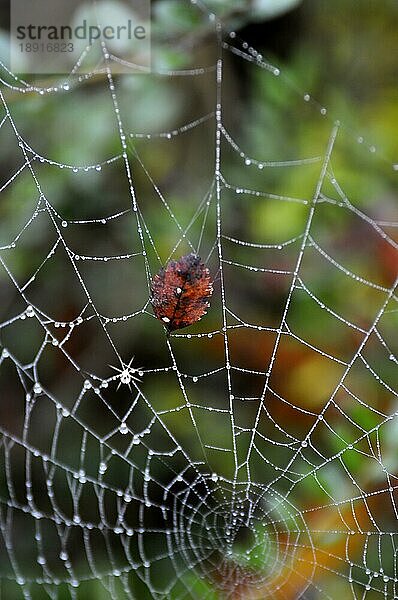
[{"x": 269, "y": 9}]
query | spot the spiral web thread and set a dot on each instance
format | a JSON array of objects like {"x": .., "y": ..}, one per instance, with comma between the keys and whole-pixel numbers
[{"x": 156, "y": 499}]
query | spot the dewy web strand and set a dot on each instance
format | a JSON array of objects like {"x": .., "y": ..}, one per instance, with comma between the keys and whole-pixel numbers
[{"x": 171, "y": 484}]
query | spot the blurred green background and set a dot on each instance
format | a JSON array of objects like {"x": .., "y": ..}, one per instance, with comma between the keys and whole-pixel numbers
[{"x": 344, "y": 54}]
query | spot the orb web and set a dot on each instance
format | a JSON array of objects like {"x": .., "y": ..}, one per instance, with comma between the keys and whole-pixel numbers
[{"x": 251, "y": 456}]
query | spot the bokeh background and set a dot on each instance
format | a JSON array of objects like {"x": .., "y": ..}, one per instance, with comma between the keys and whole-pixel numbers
[{"x": 344, "y": 54}]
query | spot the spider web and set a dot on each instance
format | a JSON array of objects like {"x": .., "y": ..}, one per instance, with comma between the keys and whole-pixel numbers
[{"x": 197, "y": 471}]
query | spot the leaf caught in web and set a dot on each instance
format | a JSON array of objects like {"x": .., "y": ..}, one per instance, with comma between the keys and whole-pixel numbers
[
  {"x": 257, "y": 457},
  {"x": 181, "y": 292}
]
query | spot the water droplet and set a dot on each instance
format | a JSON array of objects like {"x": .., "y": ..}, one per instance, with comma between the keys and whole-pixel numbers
[
  {"x": 123, "y": 429},
  {"x": 125, "y": 377}
]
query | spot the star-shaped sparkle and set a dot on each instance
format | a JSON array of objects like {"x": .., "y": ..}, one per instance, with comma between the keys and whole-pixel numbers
[{"x": 127, "y": 374}]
